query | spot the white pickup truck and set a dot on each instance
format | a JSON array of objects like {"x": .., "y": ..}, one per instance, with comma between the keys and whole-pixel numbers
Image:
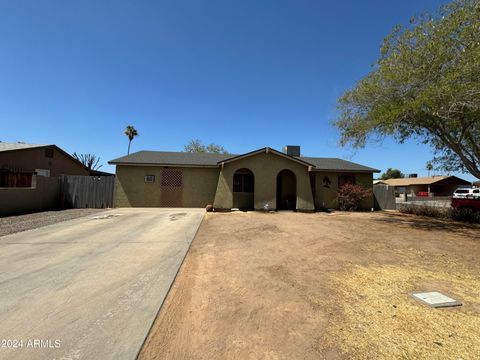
[
  {"x": 464, "y": 193},
  {"x": 466, "y": 198}
]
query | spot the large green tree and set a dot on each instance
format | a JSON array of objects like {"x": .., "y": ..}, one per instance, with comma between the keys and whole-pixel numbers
[
  {"x": 426, "y": 85},
  {"x": 198, "y": 147},
  {"x": 392, "y": 174}
]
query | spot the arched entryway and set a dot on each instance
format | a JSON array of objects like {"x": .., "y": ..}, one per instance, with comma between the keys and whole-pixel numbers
[
  {"x": 243, "y": 189},
  {"x": 286, "y": 190}
]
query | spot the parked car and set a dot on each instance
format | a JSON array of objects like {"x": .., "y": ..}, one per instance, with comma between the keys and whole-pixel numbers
[{"x": 464, "y": 193}]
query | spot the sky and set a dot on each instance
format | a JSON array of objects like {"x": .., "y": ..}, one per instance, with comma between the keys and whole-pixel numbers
[{"x": 243, "y": 74}]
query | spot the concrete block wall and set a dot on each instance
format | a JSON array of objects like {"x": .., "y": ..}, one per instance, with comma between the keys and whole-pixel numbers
[{"x": 44, "y": 195}]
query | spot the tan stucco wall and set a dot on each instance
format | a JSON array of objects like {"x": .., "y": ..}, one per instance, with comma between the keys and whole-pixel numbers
[
  {"x": 243, "y": 200},
  {"x": 265, "y": 168},
  {"x": 327, "y": 197},
  {"x": 31, "y": 159},
  {"x": 42, "y": 196},
  {"x": 199, "y": 185}
]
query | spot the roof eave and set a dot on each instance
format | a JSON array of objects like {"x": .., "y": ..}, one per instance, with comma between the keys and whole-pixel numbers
[
  {"x": 369, "y": 171},
  {"x": 161, "y": 164},
  {"x": 265, "y": 150},
  {"x": 28, "y": 148}
]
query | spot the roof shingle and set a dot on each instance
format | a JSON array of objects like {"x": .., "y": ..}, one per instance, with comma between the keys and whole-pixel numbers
[
  {"x": 171, "y": 158},
  {"x": 9, "y": 146},
  {"x": 335, "y": 164},
  {"x": 211, "y": 160}
]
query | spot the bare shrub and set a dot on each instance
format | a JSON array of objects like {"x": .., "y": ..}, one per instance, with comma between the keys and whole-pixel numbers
[{"x": 467, "y": 215}]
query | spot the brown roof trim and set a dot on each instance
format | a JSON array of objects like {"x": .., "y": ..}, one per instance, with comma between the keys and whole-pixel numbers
[{"x": 265, "y": 150}]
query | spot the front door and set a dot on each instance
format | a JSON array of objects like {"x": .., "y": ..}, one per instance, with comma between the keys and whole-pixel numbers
[{"x": 286, "y": 190}]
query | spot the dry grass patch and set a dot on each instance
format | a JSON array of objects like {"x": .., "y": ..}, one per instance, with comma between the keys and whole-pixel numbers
[
  {"x": 379, "y": 320},
  {"x": 322, "y": 286}
]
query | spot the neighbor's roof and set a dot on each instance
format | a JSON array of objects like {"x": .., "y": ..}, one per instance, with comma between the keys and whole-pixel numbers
[
  {"x": 9, "y": 146},
  {"x": 421, "y": 180},
  {"x": 164, "y": 158}
]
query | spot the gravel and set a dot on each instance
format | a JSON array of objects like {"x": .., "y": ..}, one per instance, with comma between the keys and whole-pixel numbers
[{"x": 14, "y": 224}]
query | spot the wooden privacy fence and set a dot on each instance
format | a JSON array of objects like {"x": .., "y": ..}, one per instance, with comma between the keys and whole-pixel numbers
[
  {"x": 86, "y": 191},
  {"x": 384, "y": 196}
]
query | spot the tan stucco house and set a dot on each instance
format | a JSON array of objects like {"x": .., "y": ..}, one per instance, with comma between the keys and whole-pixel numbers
[{"x": 264, "y": 179}]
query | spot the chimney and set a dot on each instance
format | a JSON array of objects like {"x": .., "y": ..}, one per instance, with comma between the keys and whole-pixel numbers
[{"x": 292, "y": 150}]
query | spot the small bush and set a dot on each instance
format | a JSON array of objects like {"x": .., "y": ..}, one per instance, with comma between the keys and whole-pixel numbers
[
  {"x": 349, "y": 196},
  {"x": 468, "y": 215},
  {"x": 424, "y": 210}
]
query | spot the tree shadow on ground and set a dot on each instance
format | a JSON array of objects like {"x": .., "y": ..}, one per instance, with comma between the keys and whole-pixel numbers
[{"x": 431, "y": 224}]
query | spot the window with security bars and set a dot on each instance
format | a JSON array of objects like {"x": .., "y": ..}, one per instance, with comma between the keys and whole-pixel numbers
[
  {"x": 172, "y": 178},
  {"x": 149, "y": 178}
]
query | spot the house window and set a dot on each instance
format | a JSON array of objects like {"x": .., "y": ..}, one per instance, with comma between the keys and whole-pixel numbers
[
  {"x": 346, "y": 179},
  {"x": 49, "y": 152},
  {"x": 172, "y": 178},
  {"x": 149, "y": 178},
  {"x": 243, "y": 181}
]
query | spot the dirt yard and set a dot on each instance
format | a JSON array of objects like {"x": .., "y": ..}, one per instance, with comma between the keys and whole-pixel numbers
[{"x": 322, "y": 286}]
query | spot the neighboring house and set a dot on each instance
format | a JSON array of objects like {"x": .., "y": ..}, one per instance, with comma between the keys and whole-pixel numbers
[
  {"x": 477, "y": 183},
  {"x": 427, "y": 186},
  {"x": 19, "y": 161},
  {"x": 261, "y": 179}
]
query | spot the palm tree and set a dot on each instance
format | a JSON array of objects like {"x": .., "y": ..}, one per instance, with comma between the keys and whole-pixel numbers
[
  {"x": 131, "y": 132},
  {"x": 429, "y": 167}
]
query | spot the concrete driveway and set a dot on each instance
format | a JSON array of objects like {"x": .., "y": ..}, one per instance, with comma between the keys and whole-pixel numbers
[{"x": 90, "y": 288}]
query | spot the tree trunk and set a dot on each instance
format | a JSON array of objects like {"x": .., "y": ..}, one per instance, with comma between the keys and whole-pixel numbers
[{"x": 129, "y": 142}]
